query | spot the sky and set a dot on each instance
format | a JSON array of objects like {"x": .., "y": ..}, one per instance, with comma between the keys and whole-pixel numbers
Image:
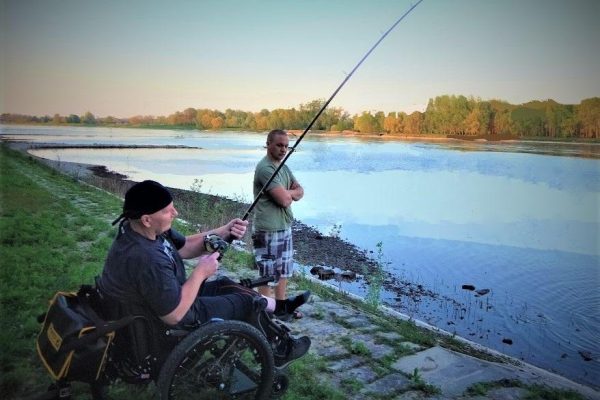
[{"x": 144, "y": 57}]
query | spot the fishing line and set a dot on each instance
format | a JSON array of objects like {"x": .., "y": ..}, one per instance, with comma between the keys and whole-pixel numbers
[{"x": 290, "y": 151}]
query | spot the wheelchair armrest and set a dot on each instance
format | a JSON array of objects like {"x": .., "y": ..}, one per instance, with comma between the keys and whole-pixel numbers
[
  {"x": 252, "y": 283},
  {"x": 177, "y": 332}
]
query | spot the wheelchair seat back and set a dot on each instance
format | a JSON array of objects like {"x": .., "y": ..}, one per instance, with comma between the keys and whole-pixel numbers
[{"x": 139, "y": 349}]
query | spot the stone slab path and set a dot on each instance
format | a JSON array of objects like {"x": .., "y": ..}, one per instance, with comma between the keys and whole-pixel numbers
[{"x": 365, "y": 360}]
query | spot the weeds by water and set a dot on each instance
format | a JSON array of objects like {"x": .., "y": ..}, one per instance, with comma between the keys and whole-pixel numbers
[
  {"x": 336, "y": 231},
  {"x": 375, "y": 279}
]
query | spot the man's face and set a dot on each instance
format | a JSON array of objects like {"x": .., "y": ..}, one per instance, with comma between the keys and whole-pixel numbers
[
  {"x": 163, "y": 219},
  {"x": 277, "y": 148}
]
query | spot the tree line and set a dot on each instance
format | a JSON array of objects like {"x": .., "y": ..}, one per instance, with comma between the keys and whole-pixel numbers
[{"x": 448, "y": 115}]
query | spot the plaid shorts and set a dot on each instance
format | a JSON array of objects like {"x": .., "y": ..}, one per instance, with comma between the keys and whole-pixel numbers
[{"x": 273, "y": 253}]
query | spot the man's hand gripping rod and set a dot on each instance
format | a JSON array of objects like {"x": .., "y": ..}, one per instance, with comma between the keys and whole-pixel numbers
[
  {"x": 214, "y": 243},
  {"x": 262, "y": 190}
]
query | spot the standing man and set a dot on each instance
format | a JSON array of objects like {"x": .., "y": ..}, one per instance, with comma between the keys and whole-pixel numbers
[{"x": 272, "y": 236}]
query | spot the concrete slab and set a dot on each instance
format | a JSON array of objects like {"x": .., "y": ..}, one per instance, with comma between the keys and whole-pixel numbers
[
  {"x": 412, "y": 346},
  {"x": 388, "y": 385},
  {"x": 452, "y": 372},
  {"x": 362, "y": 374},
  {"x": 390, "y": 336},
  {"x": 345, "y": 364}
]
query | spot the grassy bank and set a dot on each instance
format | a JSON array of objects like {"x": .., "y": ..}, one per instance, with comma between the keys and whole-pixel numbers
[{"x": 54, "y": 235}]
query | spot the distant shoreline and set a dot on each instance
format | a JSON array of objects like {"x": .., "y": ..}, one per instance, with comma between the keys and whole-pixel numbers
[
  {"x": 358, "y": 135},
  {"x": 107, "y": 146}
]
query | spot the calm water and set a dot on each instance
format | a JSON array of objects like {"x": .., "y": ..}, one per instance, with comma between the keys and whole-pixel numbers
[{"x": 521, "y": 220}]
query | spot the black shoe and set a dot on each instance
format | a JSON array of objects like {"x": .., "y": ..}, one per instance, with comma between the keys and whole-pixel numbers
[
  {"x": 295, "y": 348},
  {"x": 286, "y": 311},
  {"x": 285, "y": 317}
]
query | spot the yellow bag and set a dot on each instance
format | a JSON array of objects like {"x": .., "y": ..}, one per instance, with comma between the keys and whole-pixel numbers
[{"x": 73, "y": 342}]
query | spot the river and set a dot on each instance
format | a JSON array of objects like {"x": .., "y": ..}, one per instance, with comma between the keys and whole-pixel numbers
[{"x": 518, "y": 220}]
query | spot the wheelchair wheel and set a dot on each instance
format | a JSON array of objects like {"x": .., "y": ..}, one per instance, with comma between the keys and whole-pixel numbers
[
  {"x": 281, "y": 382},
  {"x": 219, "y": 360}
]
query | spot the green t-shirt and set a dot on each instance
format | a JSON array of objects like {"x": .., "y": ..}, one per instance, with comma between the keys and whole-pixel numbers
[{"x": 268, "y": 215}]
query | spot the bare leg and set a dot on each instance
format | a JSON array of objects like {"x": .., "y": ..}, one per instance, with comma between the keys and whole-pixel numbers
[
  {"x": 266, "y": 291},
  {"x": 280, "y": 289}
]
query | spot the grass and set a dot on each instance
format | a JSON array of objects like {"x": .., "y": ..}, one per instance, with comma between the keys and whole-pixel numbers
[
  {"x": 304, "y": 383},
  {"x": 533, "y": 392},
  {"x": 355, "y": 347},
  {"x": 43, "y": 250},
  {"x": 418, "y": 383}
]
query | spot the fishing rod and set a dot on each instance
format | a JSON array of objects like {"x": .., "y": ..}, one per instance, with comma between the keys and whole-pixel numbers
[{"x": 290, "y": 151}]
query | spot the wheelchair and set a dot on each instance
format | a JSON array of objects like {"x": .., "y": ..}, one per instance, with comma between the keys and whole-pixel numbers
[{"x": 219, "y": 359}]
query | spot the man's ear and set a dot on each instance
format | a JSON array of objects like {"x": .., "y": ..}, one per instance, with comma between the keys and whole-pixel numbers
[{"x": 146, "y": 220}]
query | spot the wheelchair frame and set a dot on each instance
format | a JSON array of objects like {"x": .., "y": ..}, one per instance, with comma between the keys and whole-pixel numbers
[{"x": 218, "y": 359}]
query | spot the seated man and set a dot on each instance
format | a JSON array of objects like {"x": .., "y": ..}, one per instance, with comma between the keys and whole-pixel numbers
[{"x": 144, "y": 266}]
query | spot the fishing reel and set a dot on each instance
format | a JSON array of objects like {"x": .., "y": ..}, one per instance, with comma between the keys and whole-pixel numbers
[{"x": 215, "y": 243}]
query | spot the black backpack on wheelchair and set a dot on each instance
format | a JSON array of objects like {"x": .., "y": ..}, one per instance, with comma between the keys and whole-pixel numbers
[{"x": 92, "y": 338}]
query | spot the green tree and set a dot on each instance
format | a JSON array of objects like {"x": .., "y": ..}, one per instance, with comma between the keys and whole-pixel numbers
[
  {"x": 88, "y": 119},
  {"x": 588, "y": 113},
  {"x": 110, "y": 120},
  {"x": 380, "y": 117},
  {"x": 401, "y": 118},
  {"x": 307, "y": 113},
  {"x": 528, "y": 121},
  {"x": 250, "y": 122},
  {"x": 366, "y": 123},
  {"x": 472, "y": 122},
  {"x": 262, "y": 120},
  {"x": 208, "y": 119},
  {"x": 217, "y": 122},
  {"x": 389, "y": 123},
  {"x": 500, "y": 119},
  {"x": 555, "y": 116},
  {"x": 414, "y": 123},
  {"x": 188, "y": 117},
  {"x": 234, "y": 118},
  {"x": 343, "y": 122},
  {"x": 446, "y": 114},
  {"x": 275, "y": 119},
  {"x": 478, "y": 120},
  {"x": 73, "y": 119}
]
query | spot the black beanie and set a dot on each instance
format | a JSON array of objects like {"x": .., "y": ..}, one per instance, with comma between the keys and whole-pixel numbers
[{"x": 143, "y": 198}]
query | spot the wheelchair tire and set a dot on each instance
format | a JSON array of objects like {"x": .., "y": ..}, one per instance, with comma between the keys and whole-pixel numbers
[
  {"x": 281, "y": 382},
  {"x": 219, "y": 360}
]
